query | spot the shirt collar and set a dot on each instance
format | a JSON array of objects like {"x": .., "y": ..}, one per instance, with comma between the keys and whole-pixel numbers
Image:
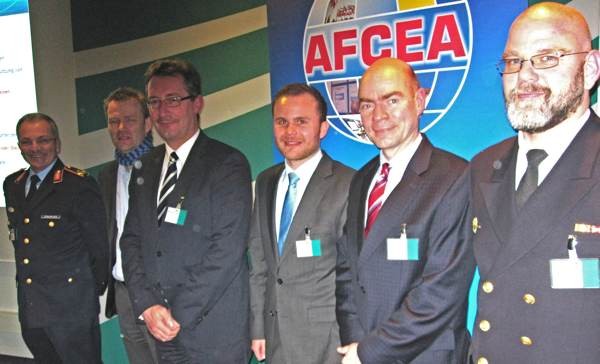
[
  {"x": 554, "y": 140},
  {"x": 306, "y": 169},
  {"x": 44, "y": 172},
  {"x": 184, "y": 149}
]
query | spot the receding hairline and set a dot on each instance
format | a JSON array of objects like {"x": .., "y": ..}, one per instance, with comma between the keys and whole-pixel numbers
[{"x": 401, "y": 68}]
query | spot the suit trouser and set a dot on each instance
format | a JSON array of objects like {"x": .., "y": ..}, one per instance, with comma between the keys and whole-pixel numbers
[
  {"x": 139, "y": 344},
  {"x": 74, "y": 344}
]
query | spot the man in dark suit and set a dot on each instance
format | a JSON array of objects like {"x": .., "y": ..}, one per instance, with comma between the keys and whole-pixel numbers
[
  {"x": 185, "y": 236},
  {"x": 536, "y": 200},
  {"x": 404, "y": 267},
  {"x": 295, "y": 227},
  {"x": 57, "y": 226},
  {"x": 129, "y": 127}
]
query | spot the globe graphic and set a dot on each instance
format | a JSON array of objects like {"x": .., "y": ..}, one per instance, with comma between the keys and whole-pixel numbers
[{"x": 442, "y": 76}]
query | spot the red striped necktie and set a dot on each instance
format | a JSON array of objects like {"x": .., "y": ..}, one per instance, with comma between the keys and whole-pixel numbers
[{"x": 376, "y": 197}]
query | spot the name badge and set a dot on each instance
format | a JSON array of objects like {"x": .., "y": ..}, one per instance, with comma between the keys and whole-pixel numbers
[
  {"x": 175, "y": 215},
  {"x": 308, "y": 248},
  {"x": 574, "y": 272},
  {"x": 403, "y": 248}
]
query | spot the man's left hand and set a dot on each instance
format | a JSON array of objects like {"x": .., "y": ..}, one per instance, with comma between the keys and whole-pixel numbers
[{"x": 350, "y": 353}]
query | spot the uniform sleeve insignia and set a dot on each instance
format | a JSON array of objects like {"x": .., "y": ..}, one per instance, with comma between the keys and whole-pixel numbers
[
  {"x": 76, "y": 171},
  {"x": 58, "y": 176},
  {"x": 21, "y": 175}
]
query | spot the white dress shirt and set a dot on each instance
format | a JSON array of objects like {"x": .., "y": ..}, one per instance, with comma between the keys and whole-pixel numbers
[
  {"x": 398, "y": 165},
  {"x": 122, "y": 205},
  {"x": 304, "y": 173},
  {"x": 554, "y": 141}
]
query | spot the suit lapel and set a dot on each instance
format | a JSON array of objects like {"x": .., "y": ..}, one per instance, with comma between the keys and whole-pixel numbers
[
  {"x": 400, "y": 202},
  {"x": 498, "y": 194},
  {"x": 46, "y": 187},
  {"x": 566, "y": 184},
  {"x": 306, "y": 208},
  {"x": 192, "y": 171},
  {"x": 270, "y": 196}
]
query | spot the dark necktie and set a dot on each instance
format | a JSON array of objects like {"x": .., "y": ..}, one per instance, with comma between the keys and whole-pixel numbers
[
  {"x": 167, "y": 186},
  {"x": 33, "y": 182},
  {"x": 287, "y": 212},
  {"x": 376, "y": 197},
  {"x": 529, "y": 182}
]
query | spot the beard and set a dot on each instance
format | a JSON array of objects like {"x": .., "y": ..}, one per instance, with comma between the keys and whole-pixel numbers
[{"x": 535, "y": 118}]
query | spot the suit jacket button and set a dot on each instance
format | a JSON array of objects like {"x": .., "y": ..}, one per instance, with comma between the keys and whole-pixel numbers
[
  {"x": 487, "y": 287},
  {"x": 25, "y": 261},
  {"x": 28, "y": 280},
  {"x": 159, "y": 254},
  {"x": 526, "y": 341},
  {"x": 26, "y": 220},
  {"x": 484, "y": 325},
  {"x": 362, "y": 288},
  {"x": 529, "y": 298},
  {"x": 26, "y": 241},
  {"x": 279, "y": 281},
  {"x": 482, "y": 360}
]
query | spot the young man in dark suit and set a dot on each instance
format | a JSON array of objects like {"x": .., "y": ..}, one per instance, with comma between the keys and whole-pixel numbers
[
  {"x": 186, "y": 231},
  {"x": 129, "y": 128},
  {"x": 535, "y": 200},
  {"x": 57, "y": 226},
  {"x": 404, "y": 267}
]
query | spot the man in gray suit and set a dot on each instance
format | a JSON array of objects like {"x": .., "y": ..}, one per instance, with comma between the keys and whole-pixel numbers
[
  {"x": 535, "y": 200},
  {"x": 186, "y": 231},
  {"x": 404, "y": 266},
  {"x": 129, "y": 128},
  {"x": 299, "y": 213}
]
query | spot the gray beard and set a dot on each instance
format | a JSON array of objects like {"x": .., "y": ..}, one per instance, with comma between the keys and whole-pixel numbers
[{"x": 554, "y": 110}]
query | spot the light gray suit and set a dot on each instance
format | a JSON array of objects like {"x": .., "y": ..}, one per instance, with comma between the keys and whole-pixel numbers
[{"x": 293, "y": 299}]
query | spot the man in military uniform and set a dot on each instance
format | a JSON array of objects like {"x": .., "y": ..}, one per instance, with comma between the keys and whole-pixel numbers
[
  {"x": 57, "y": 225},
  {"x": 535, "y": 200}
]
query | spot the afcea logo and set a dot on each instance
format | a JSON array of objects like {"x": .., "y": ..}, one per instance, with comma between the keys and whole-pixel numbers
[{"x": 344, "y": 37}]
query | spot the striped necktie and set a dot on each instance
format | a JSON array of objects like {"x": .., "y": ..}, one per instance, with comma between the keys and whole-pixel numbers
[
  {"x": 167, "y": 186},
  {"x": 376, "y": 197}
]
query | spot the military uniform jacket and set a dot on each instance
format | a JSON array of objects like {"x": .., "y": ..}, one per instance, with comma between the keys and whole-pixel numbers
[
  {"x": 521, "y": 319},
  {"x": 402, "y": 311},
  {"x": 292, "y": 298},
  {"x": 61, "y": 255}
]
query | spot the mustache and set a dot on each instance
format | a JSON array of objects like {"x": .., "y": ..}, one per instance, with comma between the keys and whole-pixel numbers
[{"x": 530, "y": 87}]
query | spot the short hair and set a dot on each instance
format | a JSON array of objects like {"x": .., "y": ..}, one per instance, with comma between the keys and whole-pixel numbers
[
  {"x": 39, "y": 116},
  {"x": 296, "y": 89},
  {"x": 173, "y": 68},
  {"x": 124, "y": 94}
]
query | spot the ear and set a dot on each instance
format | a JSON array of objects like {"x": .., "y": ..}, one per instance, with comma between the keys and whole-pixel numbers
[
  {"x": 198, "y": 104},
  {"x": 420, "y": 100},
  {"x": 324, "y": 127},
  {"x": 147, "y": 125},
  {"x": 591, "y": 69}
]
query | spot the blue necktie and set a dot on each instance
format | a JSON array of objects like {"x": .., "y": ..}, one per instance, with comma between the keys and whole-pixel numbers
[{"x": 287, "y": 212}]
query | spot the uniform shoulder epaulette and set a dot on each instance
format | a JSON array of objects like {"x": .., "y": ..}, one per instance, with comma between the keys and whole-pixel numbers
[
  {"x": 22, "y": 173},
  {"x": 76, "y": 171}
]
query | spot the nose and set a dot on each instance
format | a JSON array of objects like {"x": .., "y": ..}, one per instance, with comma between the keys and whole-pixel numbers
[
  {"x": 379, "y": 111},
  {"x": 291, "y": 129},
  {"x": 527, "y": 72}
]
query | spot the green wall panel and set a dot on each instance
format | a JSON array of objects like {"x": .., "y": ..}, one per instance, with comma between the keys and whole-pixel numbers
[{"x": 221, "y": 65}]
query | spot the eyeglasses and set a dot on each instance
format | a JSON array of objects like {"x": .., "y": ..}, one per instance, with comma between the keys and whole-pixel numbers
[
  {"x": 169, "y": 101},
  {"x": 539, "y": 62},
  {"x": 43, "y": 141}
]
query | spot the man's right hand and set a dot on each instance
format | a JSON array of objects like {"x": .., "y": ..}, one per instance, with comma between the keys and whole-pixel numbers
[
  {"x": 160, "y": 323},
  {"x": 259, "y": 348}
]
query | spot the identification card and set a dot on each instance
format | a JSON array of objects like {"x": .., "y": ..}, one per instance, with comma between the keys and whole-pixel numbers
[
  {"x": 175, "y": 215},
  {"x": 308, "y": 248},
  {"x": 402, "y": 248},
  {"x": 575, "y": 273}
]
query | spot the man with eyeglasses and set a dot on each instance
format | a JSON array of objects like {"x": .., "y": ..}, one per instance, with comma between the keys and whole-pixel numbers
[
  {"x": 535, "y": 200},
  {"x": 129, "y": 128},
  {"x": 57, "y": 225},
  {"x": 184, "y": 241}
]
